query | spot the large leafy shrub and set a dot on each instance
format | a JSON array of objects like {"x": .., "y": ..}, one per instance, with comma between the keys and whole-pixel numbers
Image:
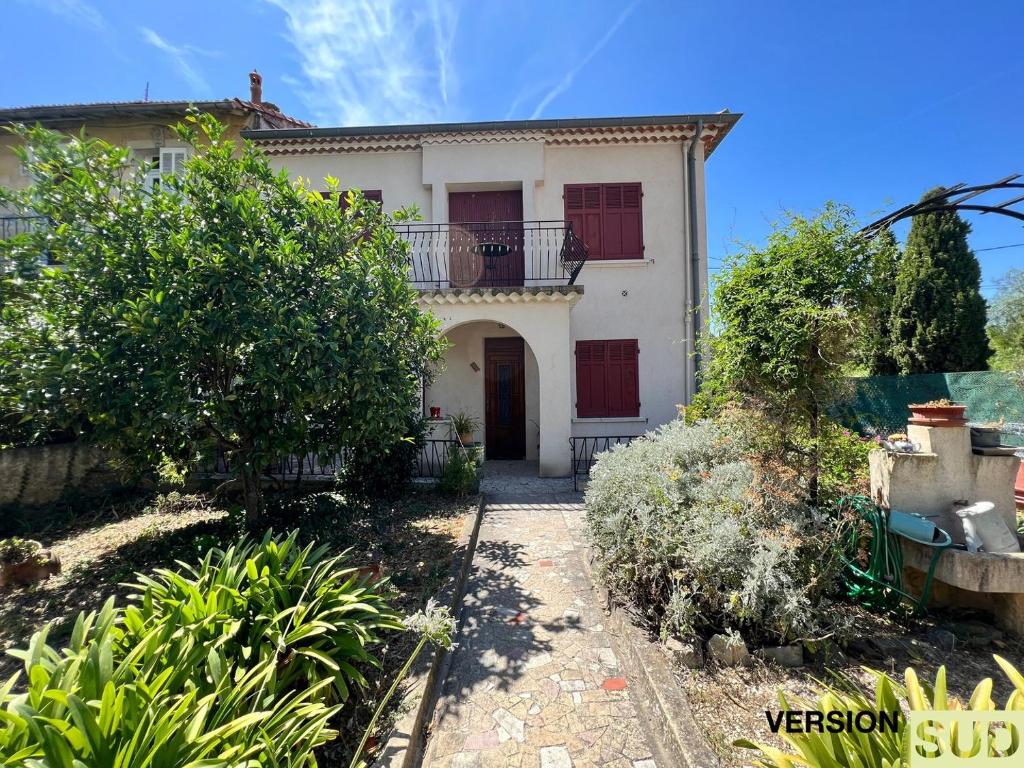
[
  {"x": 237, "y": 661},
  {"x": 228, "y": 309},
  {"x": 697, "y": 538},
  {"x": 883, "y": 748},
  {"x": 791, "y": 314},
  {"x": 315, "y": 618},
  {"x": 377, "y": 469}
]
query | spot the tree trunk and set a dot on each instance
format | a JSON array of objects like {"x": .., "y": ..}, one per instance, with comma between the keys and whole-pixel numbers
[
  {"x": 252, "y": 493},
  {"x": 812, "y": 479}
]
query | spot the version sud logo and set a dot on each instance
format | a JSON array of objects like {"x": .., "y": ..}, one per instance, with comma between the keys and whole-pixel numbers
[
  {"x": 933, "y": 739},
  {"x": 971, "y": 738}
]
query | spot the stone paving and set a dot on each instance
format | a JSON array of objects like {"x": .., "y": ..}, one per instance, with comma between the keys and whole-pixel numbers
[{"x": 534, "y": 680}]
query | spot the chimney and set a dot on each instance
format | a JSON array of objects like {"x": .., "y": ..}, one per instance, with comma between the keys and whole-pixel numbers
[{"x": 255, "y": 87}]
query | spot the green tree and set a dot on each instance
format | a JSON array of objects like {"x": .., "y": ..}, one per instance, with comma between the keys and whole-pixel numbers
[
  {"x": 938, "y": 312},
  {"x": 1006, "y": 323},
  {"x": 790, "y": 314},
  {"x": 876, "y": 354},
  {"x": 227, "y": 309}
]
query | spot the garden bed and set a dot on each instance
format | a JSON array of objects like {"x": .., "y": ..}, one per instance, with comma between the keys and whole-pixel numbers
[
  {"x": 412, "y": 539},
  {"x": 729, "y": 703}
]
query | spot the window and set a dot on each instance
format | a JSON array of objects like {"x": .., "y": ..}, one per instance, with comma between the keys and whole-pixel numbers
[
  {"x": 163, "y": 162},
  {"x": 373, "y": 195},
  {"x": 607, "y": 379},
  {"x": 608, "y": 218}
]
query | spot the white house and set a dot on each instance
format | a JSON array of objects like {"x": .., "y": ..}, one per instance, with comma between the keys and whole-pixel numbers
[{"x": 565, "y": 259}]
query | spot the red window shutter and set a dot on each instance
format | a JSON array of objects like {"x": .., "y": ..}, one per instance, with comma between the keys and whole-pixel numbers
[
  {"x": 589, "y": 376},
  {"x": 607, "y": 379},
  {"x": 583, "y": 210},
  {"x": 622, "y": 221},
  {"x": 374, "y": 195},
  {"x": 626, "y": 374}
]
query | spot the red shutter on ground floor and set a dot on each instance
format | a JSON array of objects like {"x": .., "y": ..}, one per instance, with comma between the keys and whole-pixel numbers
[{"x": 607, "y": 378}]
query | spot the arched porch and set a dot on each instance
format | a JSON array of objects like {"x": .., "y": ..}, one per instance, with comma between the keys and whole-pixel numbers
[{"x": 509, "y": 366}]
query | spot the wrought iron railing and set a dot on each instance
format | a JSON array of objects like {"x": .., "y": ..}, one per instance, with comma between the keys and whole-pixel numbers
[
  {"x": 432, "y": 459},
  {"x": 434, "y": 456},
  {"x": 493, "y": 254},
  {"x": 584, "y": 450},
  {"x": 11, "y": 226}
]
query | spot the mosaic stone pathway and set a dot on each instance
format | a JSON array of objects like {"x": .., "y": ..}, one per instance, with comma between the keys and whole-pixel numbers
[{"x": 534, "y": 680}]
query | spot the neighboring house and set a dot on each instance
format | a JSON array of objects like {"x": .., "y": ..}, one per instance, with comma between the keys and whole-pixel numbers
[
  {"x": 565, "y": 259},
  {"x": 141, "y": 126}
]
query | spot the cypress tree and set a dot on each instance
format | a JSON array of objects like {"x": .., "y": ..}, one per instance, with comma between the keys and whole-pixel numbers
[{"x": 938, "y": 312}]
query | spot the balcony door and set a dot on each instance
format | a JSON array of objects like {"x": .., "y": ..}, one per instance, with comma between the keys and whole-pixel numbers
[
  {"x": 504, "y": 398},
  {"x": 486, "y": 238}
]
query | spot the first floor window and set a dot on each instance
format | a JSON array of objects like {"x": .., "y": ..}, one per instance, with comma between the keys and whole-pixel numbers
[
  {"x": 373, "y": 195},
  {"x": 164, "y": 162},
  {"x": 608, "y": 218},
  {"x": 607, "y": 378}
]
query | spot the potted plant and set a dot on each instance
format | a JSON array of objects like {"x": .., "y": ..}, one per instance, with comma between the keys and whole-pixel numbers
[
  {"x": 938, "y": 413},
  {"x": 464, "y": 426},
  {"x": 23, "y": 561},
  {"x": 988, "y": 435}
]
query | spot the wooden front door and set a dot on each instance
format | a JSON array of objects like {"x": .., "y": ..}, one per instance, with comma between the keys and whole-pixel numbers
[
  {"x": 504, "y": 398},
  {"x": 486, "y": 238}
]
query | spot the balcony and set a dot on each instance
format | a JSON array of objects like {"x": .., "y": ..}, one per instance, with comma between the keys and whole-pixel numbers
[
  {"x": 11, "y": 226},
  {"x": 502, "y": 254}
]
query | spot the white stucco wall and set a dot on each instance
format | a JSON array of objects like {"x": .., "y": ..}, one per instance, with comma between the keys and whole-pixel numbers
[
  {"x": 399, "y": 175},
  {"x": 656, "y": 288}
]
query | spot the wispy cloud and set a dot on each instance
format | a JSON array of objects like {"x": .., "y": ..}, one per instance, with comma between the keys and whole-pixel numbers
[
  {"x": 74, "y": 11},
  {"x": 374, "y": 61},
  {"x": 182, "y": 57},
  {"x": 566, "y": 82}
]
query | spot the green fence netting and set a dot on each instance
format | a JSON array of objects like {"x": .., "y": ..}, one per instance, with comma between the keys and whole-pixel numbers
[{"x": 878, "y": 404}]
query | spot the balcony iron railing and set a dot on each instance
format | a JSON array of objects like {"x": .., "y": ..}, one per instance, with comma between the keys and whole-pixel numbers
[
  {"x": 493, "y": 254},
  {"x": 11, "y": 226},
  {"x": 473, "y": 255}
]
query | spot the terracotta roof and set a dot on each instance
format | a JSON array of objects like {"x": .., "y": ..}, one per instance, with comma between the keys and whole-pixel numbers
[
  {"x": 56, "y": 113},
  {"x": 572, "y": 131}
]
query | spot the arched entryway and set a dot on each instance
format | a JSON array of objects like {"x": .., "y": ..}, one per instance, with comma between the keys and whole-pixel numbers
[{"x": 490, "y": 373}]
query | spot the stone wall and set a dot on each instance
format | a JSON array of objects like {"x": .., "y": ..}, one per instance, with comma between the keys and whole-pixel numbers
[{"x": 42, "y": 474}]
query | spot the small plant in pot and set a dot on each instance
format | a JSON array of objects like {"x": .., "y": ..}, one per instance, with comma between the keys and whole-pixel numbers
[
  {"x": 987, "y": 435},
  {"x": 23, "y": 561},
  {"x": 938, "y": 413},
  {"x": 464, "y": 426}
]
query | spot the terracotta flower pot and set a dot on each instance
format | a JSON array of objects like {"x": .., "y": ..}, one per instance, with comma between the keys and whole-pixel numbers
[
  {"x": 1018, "y": 489},
  {"x": 466, "y": 438},
  {"x": 938, "y": 415},
  {"x": 39, "y": 567},
  {"x": 372, "y": 573}
]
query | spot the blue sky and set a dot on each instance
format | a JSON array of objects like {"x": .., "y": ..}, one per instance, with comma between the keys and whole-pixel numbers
[{"x": 868, "y": 103}]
